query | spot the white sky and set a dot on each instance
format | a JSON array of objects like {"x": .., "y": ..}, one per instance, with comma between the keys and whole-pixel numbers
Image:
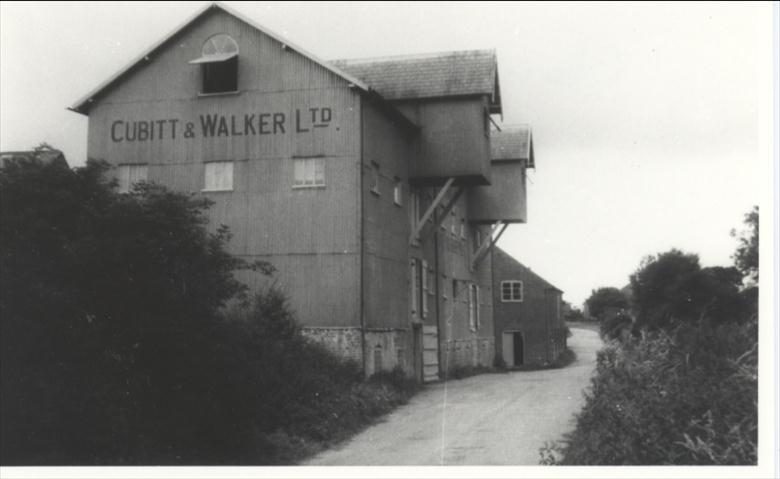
[{"x": 645, "y": 117}]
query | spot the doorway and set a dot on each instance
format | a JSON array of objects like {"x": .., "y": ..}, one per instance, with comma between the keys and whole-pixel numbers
[
  {"x": 417, "y": 351},
  {"x": 517, "y": 350}
]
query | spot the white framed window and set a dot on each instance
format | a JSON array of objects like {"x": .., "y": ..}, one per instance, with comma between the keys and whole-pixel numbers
[
  {"x": 218, "y": 176},
  {"x": 425, "y": 288},
  {"x": 414, "y": 288},
  {"x": 374, "y": 180},
  {"x": 431, "y": 281},
  {"x": 473, "y": 306},
  {"x": 477, "y": 305},
  {"x": 129, "y": 175},
  {"x": 477, "y": 238},
  {"x": 454, "y": 222},
  {"x": 398, "y": 192},
  {"x": 308, "y": 172},
  {"x": 511, "y": 291},
  {"x": 414, "y": 207}
]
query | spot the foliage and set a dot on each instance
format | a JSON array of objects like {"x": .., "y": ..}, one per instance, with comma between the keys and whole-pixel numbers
[
  {"x": 672, "y": 287},
  {"x": 604, "y": 299},
  {"x": 564, "y": 359},
  {"x": 107, "y": 314},
  {"x": 574, "y": 314},
  {"x": 125, "y": 339},
  {"x": 682, "y": 388},
  {"x": 616, "y": 327},
  {"x": 746, "y": 256},
  {"x": 685, "y": 396}
]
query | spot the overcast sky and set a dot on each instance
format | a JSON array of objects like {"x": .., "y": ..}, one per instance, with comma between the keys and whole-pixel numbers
[{"x": 645, "y": 117}]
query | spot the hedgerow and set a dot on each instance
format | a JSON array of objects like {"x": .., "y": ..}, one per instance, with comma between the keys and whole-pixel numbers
[
  {"x": 125, "y": 338},
  {"x": 688, "y": 396}
]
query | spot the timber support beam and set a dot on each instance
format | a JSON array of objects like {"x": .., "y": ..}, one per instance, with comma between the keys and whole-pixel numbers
[
  {"x": 414, "y": 237},
  {"x": 487, "y": 244}
]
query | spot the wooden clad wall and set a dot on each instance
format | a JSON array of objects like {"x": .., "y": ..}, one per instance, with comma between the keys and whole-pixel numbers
[
  {"x": 310, "y": 235},
  {"x": 505, "y": 199},
  {"x": 455, "y": 255},
  {"x": 454, "y": 140},
  {"x": 536, "y": 315},
  {"x": 386, "y": 226}
]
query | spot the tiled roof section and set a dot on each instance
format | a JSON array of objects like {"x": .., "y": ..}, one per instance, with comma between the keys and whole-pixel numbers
[
  {"x": 432, "y": 75},
  {"x": 504, "y": 256},
  {"x": 512, "y": 143},
  {"x": 45, "y": 155}
]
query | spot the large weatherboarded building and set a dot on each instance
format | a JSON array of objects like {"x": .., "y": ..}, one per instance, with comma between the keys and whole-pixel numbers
[{"x": 368, "y": 184}]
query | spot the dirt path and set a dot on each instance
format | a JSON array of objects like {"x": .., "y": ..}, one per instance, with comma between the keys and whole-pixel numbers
[{"x": 492, "y": 419}]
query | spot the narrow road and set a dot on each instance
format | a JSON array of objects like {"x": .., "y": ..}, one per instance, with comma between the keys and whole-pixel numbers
[{"x": 492, "y": 419}]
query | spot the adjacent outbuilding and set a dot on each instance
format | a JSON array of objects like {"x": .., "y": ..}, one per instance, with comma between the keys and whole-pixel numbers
[{"x": 529, "y": 326}]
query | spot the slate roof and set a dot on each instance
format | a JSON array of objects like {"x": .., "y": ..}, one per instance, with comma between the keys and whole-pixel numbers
[
  {"x": 471, "y": 72},
  {"x": 512, "y": 143},
  {"x": 45, "y": 155},
  {"x": 501, "y": 255}
]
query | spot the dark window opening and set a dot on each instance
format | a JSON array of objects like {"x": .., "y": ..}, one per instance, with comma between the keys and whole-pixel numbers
[{"x": 220, "y": 77}]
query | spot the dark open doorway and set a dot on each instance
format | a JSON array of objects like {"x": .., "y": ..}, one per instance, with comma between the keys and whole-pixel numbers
[{"x": 518, "y": 348}]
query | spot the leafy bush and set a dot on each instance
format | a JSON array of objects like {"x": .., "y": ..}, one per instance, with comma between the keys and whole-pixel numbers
[
  {"x": 616, "y": 326},
  {"x": 687, "y": 396},
  {"x": 672, "y": 287},
  {"x": 116, "y": 346},
  {"x": 603, "y": 300},
  {"x": 574, "y": 314},
  {"x": 108, "y": 319}
]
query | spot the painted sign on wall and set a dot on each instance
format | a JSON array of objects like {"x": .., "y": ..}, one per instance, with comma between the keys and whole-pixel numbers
[{"x": 214, "y": 125}]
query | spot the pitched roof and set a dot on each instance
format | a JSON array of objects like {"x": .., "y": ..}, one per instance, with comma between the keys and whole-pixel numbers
[
  {"x": 512, "y": 143},
  {"x": 44, "y": 154},
  {"x": 83, "y": 104},
  {"x": 471, "y": 72},
  {"x": 507, "y": 257}
]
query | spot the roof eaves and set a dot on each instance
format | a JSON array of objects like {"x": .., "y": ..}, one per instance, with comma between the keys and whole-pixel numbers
[{"x": 82, "y": 105}]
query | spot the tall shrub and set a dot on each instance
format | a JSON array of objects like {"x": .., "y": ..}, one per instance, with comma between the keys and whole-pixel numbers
[{"x": 109, "y": 338}]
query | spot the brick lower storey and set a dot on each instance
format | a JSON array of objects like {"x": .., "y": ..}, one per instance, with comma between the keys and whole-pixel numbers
[
  {"x": 469, "y": 352},
  {"x": 385, "y": 349}
]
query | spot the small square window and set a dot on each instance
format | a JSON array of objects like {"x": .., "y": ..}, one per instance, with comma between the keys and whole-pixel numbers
[
  {"x": 308, "y": 172},
  {"x": 129, "y": 175},
  {"x": 374, "y": 185},
  {"x": 218, "y": 176},
  {"x": 511, "y": 291},
  {"x": 454, "y": 222}
]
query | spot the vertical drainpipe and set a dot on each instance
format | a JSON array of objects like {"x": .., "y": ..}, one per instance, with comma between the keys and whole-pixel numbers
[{"x": 361, "y": 243}]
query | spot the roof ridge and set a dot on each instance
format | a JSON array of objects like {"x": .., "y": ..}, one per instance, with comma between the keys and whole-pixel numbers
[
  {"x": 79, "y": 106},
  {"x": 514, "y": 127},
  {"x": 412, "y": 56}
]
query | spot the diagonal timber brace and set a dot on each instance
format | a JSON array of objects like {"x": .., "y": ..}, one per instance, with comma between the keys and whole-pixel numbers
[
  {"x": 443, "y": 215},
  {"x": 415, "y": 235},
  {"x": 488, "y": 243}
]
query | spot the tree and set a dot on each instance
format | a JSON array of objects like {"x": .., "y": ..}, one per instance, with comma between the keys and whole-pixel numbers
[
  {"x": 672, "y": 287},
  {"x": 746, "y": 255},
  {"x": 110, "y": 341},
  {"x": 604, "y": 301}
]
